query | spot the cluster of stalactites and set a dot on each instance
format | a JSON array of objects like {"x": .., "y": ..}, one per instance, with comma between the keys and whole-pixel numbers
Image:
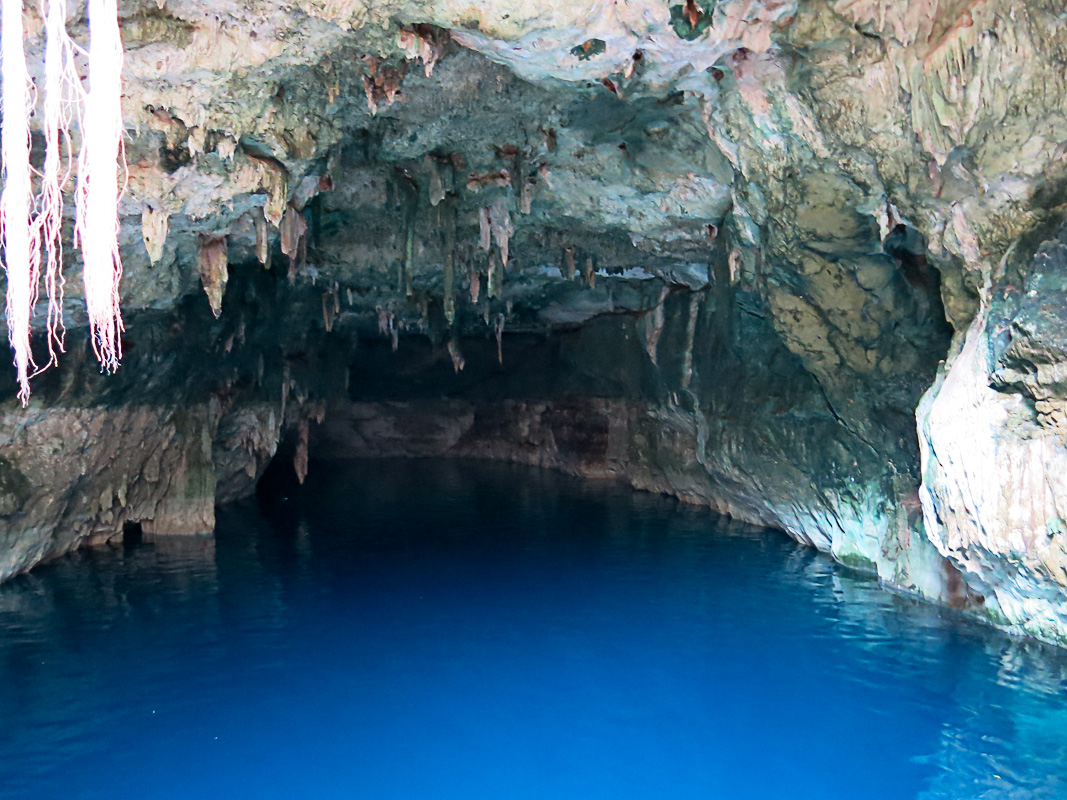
[{"x": 32, "y": 221}]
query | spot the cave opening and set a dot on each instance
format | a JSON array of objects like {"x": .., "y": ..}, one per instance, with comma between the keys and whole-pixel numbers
[
  {"x": 132, "y": 534},
  {"x": 534, "y": 400}
]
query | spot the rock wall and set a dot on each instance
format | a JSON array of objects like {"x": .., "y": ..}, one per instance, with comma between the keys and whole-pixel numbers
[
  {"x": 993, "y": 450},
  {"x": 81, "y": 475},
  {"x": 74, "y": 476},
  {"x": 190, "y": 421}
]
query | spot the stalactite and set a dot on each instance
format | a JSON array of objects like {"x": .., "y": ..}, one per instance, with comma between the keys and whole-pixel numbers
[
  {"x": 155, "y": 224},
  {"x": 213, "y": 263},
  {"x": 448, "y": 225},
  {"x": 568, "y": 263},
  {"x": 382, "y": 84},
  {"x": 274, "y": 179},
  {"x": 654, "y": 326},
  {"x": 484, "y": 228},
  {"x": 300, "y": 456},
  {"x": 287, "y": 384},
  {"x": 498, "y": 333},
  {"x": 734, "y": 262},
  {"x": 437, "y": 185},
  {"x": 476, "y": 287},
  {"x": 523, "y": 184},
  {"x": 458, "y": 362},
  {"x": 97, "y": 225},
  {"x": 500, "y": 223},
  {"x": 496, "y": 277},
  {"x": 262, "y": 240},
  {"x": 387, "y": 326},
  {"x": 449, "y": 300},
  {"x": 409, "y": 259},
  {"x": 61, "y": 95},
  {"x": 292, "y": 227},
  {"x": 407, "y": 193},
  {"x": 690, "y": 338},
  {"x": 294, "y": 239},
  {"x": 425, "y": 42},
  {"x": 526, "y": 196},
  {"x": 331, "y": 307},
  {"x": 449, "y": 290},
  {"x": 21, "y": 247}
]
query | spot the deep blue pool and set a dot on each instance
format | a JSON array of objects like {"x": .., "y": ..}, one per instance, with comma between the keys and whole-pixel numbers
[{"x": 426, "y": 630}]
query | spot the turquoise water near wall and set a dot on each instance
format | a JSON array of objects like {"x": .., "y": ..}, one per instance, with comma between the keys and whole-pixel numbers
[{"x": 431, "y": 629}]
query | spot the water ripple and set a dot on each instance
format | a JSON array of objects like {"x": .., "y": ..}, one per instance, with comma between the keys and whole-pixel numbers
[{"x": 456, "y": 630}]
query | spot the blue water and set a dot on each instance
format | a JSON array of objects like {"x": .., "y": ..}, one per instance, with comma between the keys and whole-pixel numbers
[{"x": 455, "y": 630}]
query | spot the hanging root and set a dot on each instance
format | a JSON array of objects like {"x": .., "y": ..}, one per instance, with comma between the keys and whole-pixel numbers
[
  {"x": 21, "y": 244},
  {"x": 97, "y": 224},
  {"x": 62, "y": 86}
]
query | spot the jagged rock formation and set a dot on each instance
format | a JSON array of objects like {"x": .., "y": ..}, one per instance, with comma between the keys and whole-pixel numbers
[{"x": 796, "y": 260}]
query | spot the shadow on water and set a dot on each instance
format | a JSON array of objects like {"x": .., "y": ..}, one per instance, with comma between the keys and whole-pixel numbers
[{"x": 455, "y": 629}]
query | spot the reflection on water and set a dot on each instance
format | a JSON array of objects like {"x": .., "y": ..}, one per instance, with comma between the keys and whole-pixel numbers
[{"x": 458, "y": 630}]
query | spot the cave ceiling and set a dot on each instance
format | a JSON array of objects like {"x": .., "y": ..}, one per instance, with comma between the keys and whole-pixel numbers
[{"x": 633, "y": 139}]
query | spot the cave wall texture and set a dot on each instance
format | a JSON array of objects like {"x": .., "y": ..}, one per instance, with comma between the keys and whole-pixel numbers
[{"x": 803, "y": 262}]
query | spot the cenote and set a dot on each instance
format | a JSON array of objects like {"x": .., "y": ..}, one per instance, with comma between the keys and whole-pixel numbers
[
  {"x": 459, "y": 629},
  {"x": 534, "y": 399}
]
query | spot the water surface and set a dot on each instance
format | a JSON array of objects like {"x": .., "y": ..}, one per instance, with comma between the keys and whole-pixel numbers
[{"x": 428, "y": 629}]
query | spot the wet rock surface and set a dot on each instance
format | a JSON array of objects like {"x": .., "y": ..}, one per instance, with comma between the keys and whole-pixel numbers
[
  {"x": 992, "y": 430},
  {"x": 719, "y": 251}
]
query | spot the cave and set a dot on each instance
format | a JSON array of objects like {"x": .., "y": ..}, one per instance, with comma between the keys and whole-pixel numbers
[{"x": 787, "y": 273}]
